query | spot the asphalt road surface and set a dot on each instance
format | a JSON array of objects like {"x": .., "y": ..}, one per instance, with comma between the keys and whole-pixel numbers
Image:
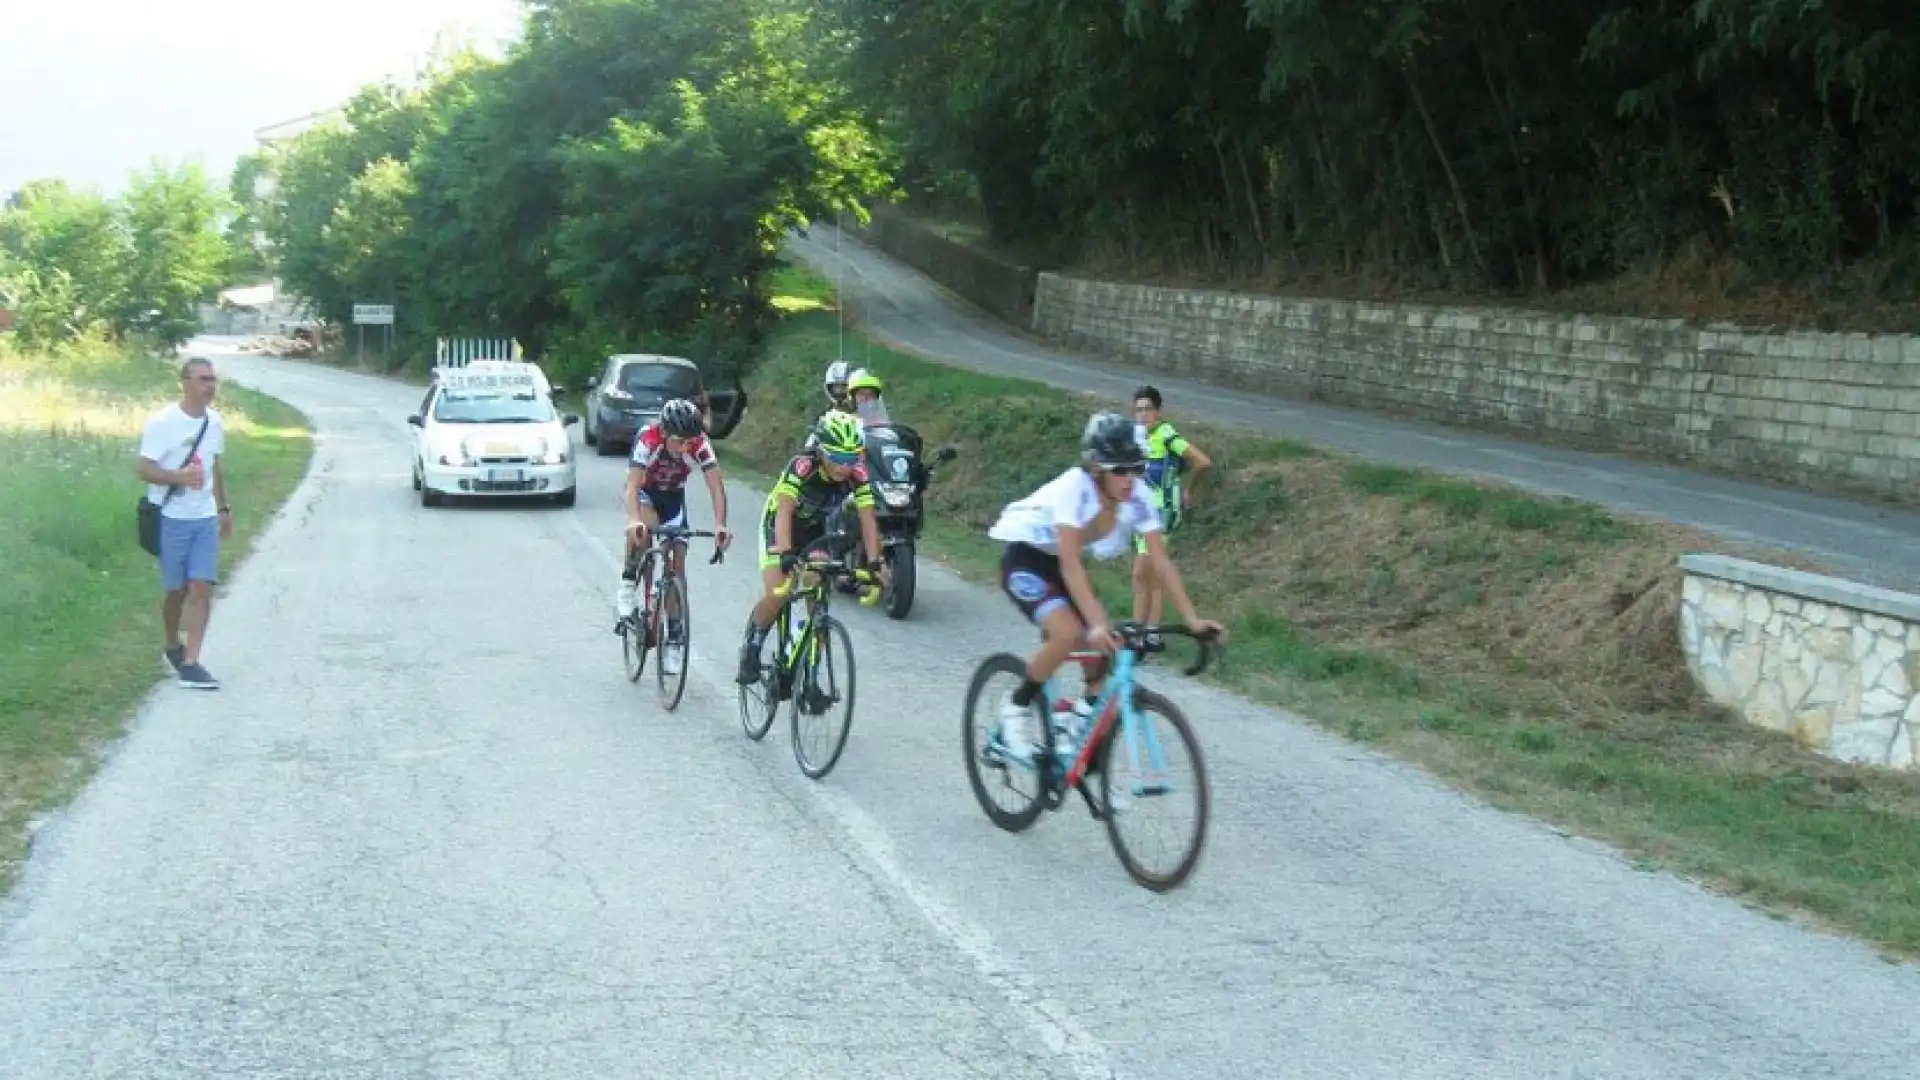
[
  {"x": 1865, "y": 541},
  {"x": 427, "y": 829}
]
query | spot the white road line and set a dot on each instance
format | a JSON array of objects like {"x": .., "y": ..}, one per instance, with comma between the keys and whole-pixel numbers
[{"x": 1058, "y": 1029}]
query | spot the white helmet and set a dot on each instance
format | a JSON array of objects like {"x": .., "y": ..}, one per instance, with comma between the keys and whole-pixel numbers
[{"x": 837, "y": 373}]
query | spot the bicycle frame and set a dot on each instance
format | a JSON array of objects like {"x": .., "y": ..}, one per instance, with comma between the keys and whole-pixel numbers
[
  {"x": 813, "y": 594},
  {"x": 1113, "y": 706}
]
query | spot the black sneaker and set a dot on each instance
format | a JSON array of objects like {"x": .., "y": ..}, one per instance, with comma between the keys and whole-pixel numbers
[
  {"x": 195, "y": 677},
  {"x": 749, "y": 671},
  {"x": 175, "y": 656}
]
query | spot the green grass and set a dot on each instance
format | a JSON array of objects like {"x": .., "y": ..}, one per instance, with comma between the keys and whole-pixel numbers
[
  {"x": 79, "y": 599},
  {"x": 1520, "y": 647}
]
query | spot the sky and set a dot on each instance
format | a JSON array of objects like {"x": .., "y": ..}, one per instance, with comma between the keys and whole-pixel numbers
[{"x": 93, "y": 89}]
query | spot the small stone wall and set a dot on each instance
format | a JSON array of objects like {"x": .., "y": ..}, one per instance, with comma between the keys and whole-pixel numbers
[{"x": 1831, "y": 662}]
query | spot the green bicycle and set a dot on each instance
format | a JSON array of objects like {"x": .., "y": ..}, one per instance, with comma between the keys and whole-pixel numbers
[{"x": 809, "y": 645}]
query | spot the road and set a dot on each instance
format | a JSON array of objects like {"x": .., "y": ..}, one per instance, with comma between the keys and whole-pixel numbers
[
  {"x": 427, "y": 829},
  {"x": 902, "y": 308}
]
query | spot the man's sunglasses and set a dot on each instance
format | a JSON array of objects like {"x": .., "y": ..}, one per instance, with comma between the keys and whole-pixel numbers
[{"x": 843, "y": 460}]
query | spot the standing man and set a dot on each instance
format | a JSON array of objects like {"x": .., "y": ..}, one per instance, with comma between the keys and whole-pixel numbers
[
  {"x": 181, "y": 458},
  {"x": 1169, "y": 455}
]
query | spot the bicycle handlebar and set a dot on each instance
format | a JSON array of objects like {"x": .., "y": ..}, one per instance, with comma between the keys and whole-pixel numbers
[
  {"x": 665, "y": 534},
  {"x": 1134, "y": 635}
]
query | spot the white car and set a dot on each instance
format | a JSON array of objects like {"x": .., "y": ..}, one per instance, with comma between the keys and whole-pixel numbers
[{"x": 490, "y": 430}]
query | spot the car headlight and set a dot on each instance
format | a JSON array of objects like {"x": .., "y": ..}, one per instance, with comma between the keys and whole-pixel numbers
[
  {"x": 549, "y": 452},
  {"x": 455, "y": 454},
  {"x": 895, "y": 495}
]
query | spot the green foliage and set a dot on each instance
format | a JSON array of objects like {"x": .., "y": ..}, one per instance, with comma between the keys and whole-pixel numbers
[
  {"x": 74, "y": 264},
  {"x": 1460, "y": 144},
  {"x": 622, "y": 179}
]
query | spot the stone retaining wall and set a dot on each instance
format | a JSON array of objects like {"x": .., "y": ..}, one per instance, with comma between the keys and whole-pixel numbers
[
  {"x": 1003, "y": 288},
  {"x": 1821, "y": 410},
  {"x": 1831, "y": 662}
]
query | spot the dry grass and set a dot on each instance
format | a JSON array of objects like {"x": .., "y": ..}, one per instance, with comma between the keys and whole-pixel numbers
[
  {"x": 1524, "y": 648},
  {"x": 78, "y": 598}
]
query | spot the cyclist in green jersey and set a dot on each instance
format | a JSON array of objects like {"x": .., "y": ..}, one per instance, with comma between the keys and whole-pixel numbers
[
  {"x": 819, "y": 478},
  {"x": 1169, "y": 457}
]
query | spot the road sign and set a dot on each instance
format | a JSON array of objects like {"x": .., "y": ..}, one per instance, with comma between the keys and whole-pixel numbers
[{"x": 373, "y": 314}]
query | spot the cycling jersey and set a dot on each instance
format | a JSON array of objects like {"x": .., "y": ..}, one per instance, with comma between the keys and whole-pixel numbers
[
  {"x": 665, "y": 469},
  {"x": 1165, "y": 462},
  {"x": 813, "y": 493},
  {"x": 1073, "y": 498}
]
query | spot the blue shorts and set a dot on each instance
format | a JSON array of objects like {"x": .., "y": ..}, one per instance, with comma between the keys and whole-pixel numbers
[{"x": 189, "y": 551}]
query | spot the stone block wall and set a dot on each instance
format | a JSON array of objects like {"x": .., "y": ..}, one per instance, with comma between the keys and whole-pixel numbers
[
  {"x": 1005, "y": 289},
  {"x": 1832, "y": 411},
  {"x": 1830, "y": 662}
]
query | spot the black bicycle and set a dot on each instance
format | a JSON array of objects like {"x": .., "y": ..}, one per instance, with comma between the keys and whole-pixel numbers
[
  {"x": 641, "y": 631},
  {"x": 802, "y": 669}
]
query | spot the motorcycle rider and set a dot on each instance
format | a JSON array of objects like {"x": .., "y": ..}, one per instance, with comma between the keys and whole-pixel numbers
[
  {"x": 834, "y": 382},
  {"x": 865, "y": 388}
]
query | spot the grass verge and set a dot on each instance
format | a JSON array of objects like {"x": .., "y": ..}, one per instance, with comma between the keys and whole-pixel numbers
[
  {"x": 78, "y": 598},
  {"x": 1520, "y": 647}
]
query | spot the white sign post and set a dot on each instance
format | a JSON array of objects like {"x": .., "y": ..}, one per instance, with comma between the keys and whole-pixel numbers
[{"x": 365, "y": 315}]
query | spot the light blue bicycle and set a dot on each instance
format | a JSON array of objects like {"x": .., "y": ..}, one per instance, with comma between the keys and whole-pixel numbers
[{"x": 1122, "y": 721}]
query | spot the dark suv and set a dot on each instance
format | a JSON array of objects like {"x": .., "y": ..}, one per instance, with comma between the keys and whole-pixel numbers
[{"x": 628, "y": 393}]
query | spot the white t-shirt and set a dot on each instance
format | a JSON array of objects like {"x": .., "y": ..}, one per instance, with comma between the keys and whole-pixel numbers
[
  {"x": 169, "y": 433},
  {"x": 1073, "y": 498}
]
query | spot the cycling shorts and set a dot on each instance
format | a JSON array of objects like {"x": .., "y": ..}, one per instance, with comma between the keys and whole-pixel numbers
[
  {"x": 806, "y": 533},
  {"x": 670, "y": 504},
  {"x": 1031, "y": 578}
]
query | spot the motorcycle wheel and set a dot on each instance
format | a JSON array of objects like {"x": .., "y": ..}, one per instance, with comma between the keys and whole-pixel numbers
[{"x": 897, "y": 600}]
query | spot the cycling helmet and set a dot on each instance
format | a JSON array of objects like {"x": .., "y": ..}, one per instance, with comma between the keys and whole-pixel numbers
[
  {"x": 836, "y": 376},
  {"x": 864, "y": 380},
  {"x": 681, "y": 418},
  {"x": 839, "y": 433},
  {"x": 1110, "y": 441}
]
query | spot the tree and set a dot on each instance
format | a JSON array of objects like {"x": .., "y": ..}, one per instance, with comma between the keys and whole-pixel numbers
[{"x": 177, "y": 256}]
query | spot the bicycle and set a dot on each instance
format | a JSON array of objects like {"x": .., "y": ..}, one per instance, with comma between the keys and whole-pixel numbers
[
  {"x": 802, "y": 645},
  {"x": 634, "y": 646},
  {"x": 1065, "y": 758}
]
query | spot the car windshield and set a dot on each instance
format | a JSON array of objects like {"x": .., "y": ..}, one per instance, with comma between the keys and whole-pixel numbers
[
  {"x": 659, "y": 381},
  {"x": 492, "y": 407}
]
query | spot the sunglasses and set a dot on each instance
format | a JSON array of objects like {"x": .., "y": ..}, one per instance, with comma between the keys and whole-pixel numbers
[
  {"x": 844, "y": 460},
  {"x": 1126, "y": 470}
]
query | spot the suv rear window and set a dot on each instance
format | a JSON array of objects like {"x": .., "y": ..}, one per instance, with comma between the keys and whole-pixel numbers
[{"x": 662, "y": 380}]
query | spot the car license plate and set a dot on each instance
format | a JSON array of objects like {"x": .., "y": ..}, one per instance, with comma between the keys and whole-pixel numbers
[{"x": 502, "y": 476}]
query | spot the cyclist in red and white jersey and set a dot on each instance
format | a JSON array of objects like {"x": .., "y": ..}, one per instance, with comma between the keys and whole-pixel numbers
[{"x": 665, "y": 454}]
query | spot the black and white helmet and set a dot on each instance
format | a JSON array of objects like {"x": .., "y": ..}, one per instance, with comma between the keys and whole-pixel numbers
[
  {"x": 837, "y": 374},
  {"x": 1110, "y": 441},
  {"x": 681, "y": 418}
]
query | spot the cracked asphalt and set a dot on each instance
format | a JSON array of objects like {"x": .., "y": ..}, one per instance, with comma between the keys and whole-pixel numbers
[
  {"x": 1872, "y": 542},
  {"x": 427, "y": 829}
]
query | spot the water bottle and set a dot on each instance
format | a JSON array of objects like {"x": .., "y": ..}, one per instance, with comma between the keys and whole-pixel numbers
[{"x": 1067, "y": 728}]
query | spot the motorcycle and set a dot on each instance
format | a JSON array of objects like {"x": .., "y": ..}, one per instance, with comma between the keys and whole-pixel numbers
[{"x": 900, "y": 476}]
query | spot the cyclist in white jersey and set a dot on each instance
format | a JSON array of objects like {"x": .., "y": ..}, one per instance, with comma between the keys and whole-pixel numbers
[{"x": 1094, "y": 508}]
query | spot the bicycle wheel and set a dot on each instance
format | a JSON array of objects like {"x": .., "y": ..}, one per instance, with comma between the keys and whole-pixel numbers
[
  {"x": 974, "y": 737},
  {"x": 759, "y": 699},
  {"x": 633, "y": 639},
  {"x": 824, "y": 681},
  {"x": 1145, "y": 750},
  {"x": 673, "y": 595}
]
